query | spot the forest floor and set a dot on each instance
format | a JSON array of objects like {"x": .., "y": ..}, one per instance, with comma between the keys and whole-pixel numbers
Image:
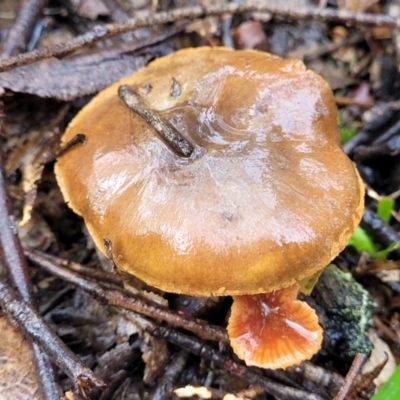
[{"x": 144, "y": 344}]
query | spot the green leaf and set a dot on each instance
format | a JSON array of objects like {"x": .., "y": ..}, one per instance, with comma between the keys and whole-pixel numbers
[
  {"x": 385, "y": 207},
  {"x": 363, "y": 243},
  {"x": 346, "y": 133},
  {"x": 383, "y": 253},
  {"x": 391, "y": 389}
]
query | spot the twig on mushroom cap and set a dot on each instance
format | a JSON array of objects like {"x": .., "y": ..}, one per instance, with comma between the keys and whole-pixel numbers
[
  {"x": 13, "y": 260},
  {"x": 80, "y": 138},
  {"x": 110, "y": 30},
  {"x": 18, "y": 35},
  {"x": 206, "y": 352},
  {"x": 166, "y": 132},
  {"x": 355, "y": 369},
  {"x": 129, "y": 301},
  {"x": 33, "y": 326}
]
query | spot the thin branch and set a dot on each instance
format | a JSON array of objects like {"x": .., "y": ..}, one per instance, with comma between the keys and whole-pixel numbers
[
  {"x": 129, "y": 301},
  {"x": 110, "y": 30},
  {"x": 320, "y": 377},
  {"x": 172, "y": 372},
  {"x": 18, "y": 35},
  {"x": 98, "y": 274},
  {"x": 355, "y": 369},
  {"x": 208, "y": 353},
  {"x": 381, "y": 231},
  {"x": 165, "y": 131},
  {"x": 13, "y": 260},
  {"x": 34, "y": 327}
]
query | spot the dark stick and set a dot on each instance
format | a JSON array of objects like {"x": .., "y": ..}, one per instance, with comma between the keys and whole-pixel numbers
[
  {"x": 321, "y": 377},
  {"x": 351, "y": 376},
  {"x": 359, "y": 138},
  {"x": 33, "y": 327},
  {"x": 206, "y": 352},
  {"x": 374, "y": 121},
  {"x": 54, "y": 300},
  {"x": 381, "y": 231},
  {"x": 79, "y": 138},
  {"x": 110, "y": 30},
  {"x": 393, "y": 130},
  {"x": 129, "y": 301},
  {"x": 98, "y": 274},
  {"x": 366, "y": 384},
  {"x": 166, "y": 132},
  {"x": 330, "y": 47},
  {"x": 118, "y": 379},
  {"x": 13, "y": 260},
  {"x": 117, "y": 371},
  {"x": 173, "y": 370},
  {"x": 389, "y": 148},
  {"x": 18, "y": 35}
]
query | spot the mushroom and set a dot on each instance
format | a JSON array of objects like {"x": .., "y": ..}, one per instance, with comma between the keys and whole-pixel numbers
[{"x": 220, "y": 172}]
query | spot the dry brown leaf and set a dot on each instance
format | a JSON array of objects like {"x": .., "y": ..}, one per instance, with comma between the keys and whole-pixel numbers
[
  {"x": 155, "y": 356},
  {"x": 250, "y": 35},
  {"x": 338, "y": 76},
  {"x": 377, "y": 356},
  {"x": 32, "y": 170},
  {"x": 92, "y": 9},
  {"x": 72, "y": 77},
  {"x": 17, "y": 380},
  {"x": 36, "y": 233},
  {"x": 30, "y": 153},
  {"x": 356, "y": 5}
]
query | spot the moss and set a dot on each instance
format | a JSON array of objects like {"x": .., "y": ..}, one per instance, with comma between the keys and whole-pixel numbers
[{"x": 348, "y": 308}]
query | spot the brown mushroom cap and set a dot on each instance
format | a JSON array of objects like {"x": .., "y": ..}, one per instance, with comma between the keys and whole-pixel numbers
[{"x": 267, "y": 198}]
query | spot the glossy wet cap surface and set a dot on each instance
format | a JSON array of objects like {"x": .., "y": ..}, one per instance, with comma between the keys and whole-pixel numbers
[{"x": 267, "y": 197}]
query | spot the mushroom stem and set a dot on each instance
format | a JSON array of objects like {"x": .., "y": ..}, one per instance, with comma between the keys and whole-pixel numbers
[
  {"x": 274, "y": 330},
  {"x": 166, "y": 132}
]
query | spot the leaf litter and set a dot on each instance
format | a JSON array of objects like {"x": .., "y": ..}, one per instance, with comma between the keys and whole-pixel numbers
[{"x": 118, "y": 345}]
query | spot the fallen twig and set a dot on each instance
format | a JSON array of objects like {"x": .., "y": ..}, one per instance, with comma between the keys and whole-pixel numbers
[
  {"x": 172, "y": 372},
  {"x": 33, "y": 326},
  {"x": 98, "y": 274},
  {"x": 389, "y": 148},
  {"x": 206, "y": 352},
  {"x": 393, "y": 130},
  {"x": 18, "y": 35},
  {"x": 346, "y": 101},
  {"x": 110, "y": 30},
  {"x": 130, "y": 302},
  {"x": 320, "y": 377},
  {"x": 381, "y": 231},
  {"x": 355, "y": 369},
  {"x": 13, "y": 260}
]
